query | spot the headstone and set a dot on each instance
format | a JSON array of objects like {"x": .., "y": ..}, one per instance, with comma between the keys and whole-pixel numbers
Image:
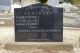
[
  {"x": 5, "y": 4},
  {"x": 27, "y": 2},
  {"x": 53, "y": 2},
  {"x": 38, "y": 23}
]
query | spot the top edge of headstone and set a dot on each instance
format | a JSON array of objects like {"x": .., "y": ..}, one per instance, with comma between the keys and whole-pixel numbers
[{"x": 39, "y": 4}]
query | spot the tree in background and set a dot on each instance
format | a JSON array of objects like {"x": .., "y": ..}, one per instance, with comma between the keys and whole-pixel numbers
[
  {"x": 42, "y": 1},
  {"x": 69, "y": 1},
  {"x": 76, "y": 2}
]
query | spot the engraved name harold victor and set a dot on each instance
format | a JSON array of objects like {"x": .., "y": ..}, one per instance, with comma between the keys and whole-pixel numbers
[{"x": 38, "y": 23}]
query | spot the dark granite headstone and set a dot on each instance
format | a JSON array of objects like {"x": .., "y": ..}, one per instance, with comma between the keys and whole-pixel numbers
[{"x": 38, "y": 23}]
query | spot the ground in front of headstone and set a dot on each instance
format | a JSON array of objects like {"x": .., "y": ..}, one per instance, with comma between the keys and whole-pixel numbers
[
  {"x": 35, "y": 51},
  {"x": 8, "y": 33}
]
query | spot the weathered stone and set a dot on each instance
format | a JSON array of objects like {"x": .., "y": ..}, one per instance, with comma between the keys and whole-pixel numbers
[{"x": 64, "y": 47}]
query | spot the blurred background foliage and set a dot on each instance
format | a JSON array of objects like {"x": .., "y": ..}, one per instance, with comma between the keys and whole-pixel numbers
[
  {"x": 69, "y": 1},
  {"x": 42, "y": 1},
  {"x": 74, "y": 2}
]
